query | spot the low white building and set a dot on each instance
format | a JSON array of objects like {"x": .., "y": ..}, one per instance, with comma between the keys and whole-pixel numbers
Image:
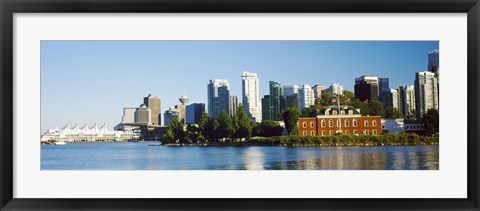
[
  {"x": 86, "y": 133},
  {"x": 393, "y": 125}
]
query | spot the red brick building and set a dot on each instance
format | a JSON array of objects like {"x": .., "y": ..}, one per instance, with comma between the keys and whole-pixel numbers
[{"x": 346, "y": 120}]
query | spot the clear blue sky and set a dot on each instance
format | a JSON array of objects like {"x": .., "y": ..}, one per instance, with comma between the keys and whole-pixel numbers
[{"x": 91, "y": 81}]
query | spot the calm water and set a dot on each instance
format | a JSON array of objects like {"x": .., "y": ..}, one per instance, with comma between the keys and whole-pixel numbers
[{"x": 140, "y": 156}]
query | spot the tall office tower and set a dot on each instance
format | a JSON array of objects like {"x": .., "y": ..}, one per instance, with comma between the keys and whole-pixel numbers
[
  {"x": 143, "y": 114},
  {"x": 290, "y": 89},
  {"x": 218, "y": 96},
  {"x": 233, "y": 105},
  {"x": 194, "y": 112},
  {"x": 383, "y": 86},
  {"x": 170, "y": 114},
  {"x": 392, "y": 98},
  {"x": 407, "y": 99},
  {"x": 266, "y": 107},
  {"x": 251, "y": 98},
  {"x": 155, "y": 106},
  {"x": 305, "y": 97},
  {"x": 434, "y": 62},
  {"x": 277, "y": 101},
  {"x": 182, "y": 108},
  {"x": 317, "y": 91},
  {"x": 426, "y": 92},
  {"x": 291, "y": 100},
  {"x": 128, "y": 115},
  {"x": 366, "y": 88},
  {"x": 335, "y": 89}
]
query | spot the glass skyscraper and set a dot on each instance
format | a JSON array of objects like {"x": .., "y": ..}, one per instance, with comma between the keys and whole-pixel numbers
[
  {"x": 277, "y": 100},
  {"x": 218, "y": 96}
]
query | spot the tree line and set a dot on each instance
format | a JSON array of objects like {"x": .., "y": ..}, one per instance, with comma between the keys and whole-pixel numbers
[{"x": 221, "y": 128}]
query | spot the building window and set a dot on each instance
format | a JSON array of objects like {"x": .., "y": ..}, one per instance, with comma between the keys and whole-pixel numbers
[
  {"x": 365, "y": 123},
  {"x": 331, "y": 132},
  {"x": 311, "y": 124},
  {"x": 304, "y": 125},
  {"x": 312, "y": 132},
  {"x": 374, "y": 122},
  {"x": 374, "y": 132},
  {"x": 355, "y": 132},
  {"x": 323, "y": 123},
  {"x": 330, "y": 123},
  {"x": 342, "y": 112},
  {"x": 365, "y": 132},
  {"x": 304, "y": 133},
  {"x": 346, "y": 132},
  {"x": 347, "y": 123},
  {"x": 334, "y": 112},
  {"x": 354, "y": 122},
  {"x": 339, "y": 123},
  {"x": 324, "y": 133},
  {"x": 350, "y": 112}
]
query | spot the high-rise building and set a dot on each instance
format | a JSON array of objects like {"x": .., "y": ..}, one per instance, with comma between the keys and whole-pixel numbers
[
  {"x": 194, "y": 112},
  {"x": 128, "y": 115},
  {"x": 366, "y": 88},
  {"x": 155, "y": 106},
  {"x": 266, "y": 107},
  {"x": 392, "y": 99},
  {"x": 434, "y": 62},
  {"x": 277, "y": 101},
  {"x": 291, "y": 100},
  {"x": 290, "y": 89},
  {"x": 383, "y": 86},
  {"x": 233, "y": 105},
  {"x": 426, "y": 92},
  {"x": 251, "y": 98},
  {"x": 305, "y": 97},
  {"x": 335, "y": 89},
  {"x": 182, "y": 115},
  {"x": 218, "y": 96},
  {"x": 143, "y": 114},
  {"x": 170, "y": 114},
  {"x": 407, "y": 99},
  {"x": 317, "y": 91}
]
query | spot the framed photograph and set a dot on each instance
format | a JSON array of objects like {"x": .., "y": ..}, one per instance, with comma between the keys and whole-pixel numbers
[{"x": 253, "y": 105}]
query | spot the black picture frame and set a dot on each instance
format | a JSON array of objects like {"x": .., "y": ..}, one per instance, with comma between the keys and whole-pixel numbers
[{"x": 9, "y": 7}]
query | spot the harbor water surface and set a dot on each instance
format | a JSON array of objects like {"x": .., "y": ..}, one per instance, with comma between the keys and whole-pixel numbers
[{"x": 152, "y": 156}]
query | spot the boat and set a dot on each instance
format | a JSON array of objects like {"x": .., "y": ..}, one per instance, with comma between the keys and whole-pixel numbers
[{"x": 59, "y": 143}]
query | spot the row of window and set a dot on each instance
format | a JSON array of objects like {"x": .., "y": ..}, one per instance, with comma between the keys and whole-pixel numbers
[
  {"x": 347, "y": 132},
  {"x": 347, "y": 123},
  {"x": 342, "y": 112}
]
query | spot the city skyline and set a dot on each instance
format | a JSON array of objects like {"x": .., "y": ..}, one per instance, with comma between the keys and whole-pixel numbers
[{"x": 92, "y": 81}]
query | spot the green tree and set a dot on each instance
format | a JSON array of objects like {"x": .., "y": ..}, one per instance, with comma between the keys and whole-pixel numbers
[
  {"x": 362, "y": 105},
  {"x": 388, "y": 112},
  {"x": 376, "y": 108},
  {"x": 225, "y": 125},
  {"x": 270, "y": 128},
  {"x": 202, "y": 125},
  {"x": 210, "y": 129},
  {"x": 326, "y": 97},
  {"x": 290, "y": 118},
  {"x": 309, "y": 112},
  {"x": 175, "y": 131},
  {"x": 193, "y": 133},
  {"x": 397, "y": 113},
  {"x": 347, "y": 97},
  {"x": 241, "y": 122},
  {"x": 431, "y": 121}
]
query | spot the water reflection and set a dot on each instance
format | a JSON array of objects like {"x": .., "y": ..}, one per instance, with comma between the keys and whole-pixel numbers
[
  {"x": 253, "y": 158},
  {"x": 340, "y": 160},
  {"x": 140, "y": 156}
]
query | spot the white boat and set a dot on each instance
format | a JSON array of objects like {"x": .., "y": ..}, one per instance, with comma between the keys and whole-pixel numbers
[{"x": 59, "y": 143}]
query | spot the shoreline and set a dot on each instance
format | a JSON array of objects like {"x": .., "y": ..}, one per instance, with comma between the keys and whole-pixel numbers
[{"x": 242, "y": 144}]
